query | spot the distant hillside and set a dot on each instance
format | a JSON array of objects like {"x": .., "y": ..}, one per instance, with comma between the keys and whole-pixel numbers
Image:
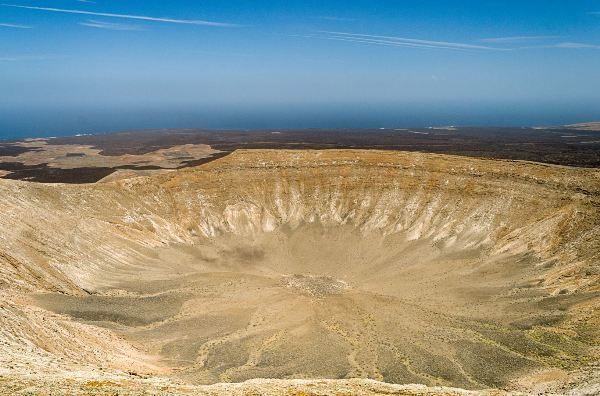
[{"x": 585, "y": 126}]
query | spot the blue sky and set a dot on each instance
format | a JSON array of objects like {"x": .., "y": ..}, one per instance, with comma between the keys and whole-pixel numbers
[{"x": 67, "y": 64}]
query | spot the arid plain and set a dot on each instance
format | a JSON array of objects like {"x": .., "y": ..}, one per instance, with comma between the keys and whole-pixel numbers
[{"x": 301, "y": 271}]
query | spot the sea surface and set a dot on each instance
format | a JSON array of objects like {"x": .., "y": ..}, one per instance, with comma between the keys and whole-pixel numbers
[{"x": 20, "y": 122}]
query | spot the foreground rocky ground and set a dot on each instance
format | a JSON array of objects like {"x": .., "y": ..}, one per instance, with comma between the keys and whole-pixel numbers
[
  {"x": 106, "y": 384},
  {"x": 359, "y": 387}
]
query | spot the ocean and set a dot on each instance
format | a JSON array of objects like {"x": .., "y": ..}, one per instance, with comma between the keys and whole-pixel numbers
[{"x": 18, "y": 123}]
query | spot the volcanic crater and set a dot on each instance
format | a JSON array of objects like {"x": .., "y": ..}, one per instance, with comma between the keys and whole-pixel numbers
[{"x": 399, "y": 267}]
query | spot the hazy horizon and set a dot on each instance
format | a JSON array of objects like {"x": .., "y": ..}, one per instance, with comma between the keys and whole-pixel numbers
[
  {"x": 63, "y": 122},
  {"x": 70, "y": 67}
]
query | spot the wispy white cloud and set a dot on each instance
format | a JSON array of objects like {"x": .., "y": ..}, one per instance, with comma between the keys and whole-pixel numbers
[
  {"x": 125, "y": 16},
  {"x": 576, "y": 45},
  {"x": 15, "y": 26},
  {"x": 562, "y": 45},
  {"x": 337, "y": 19},
  {"x": 394, "y": 41},
  {"x": 517, "y": 39},
  {"x": 109, "y": 26}
]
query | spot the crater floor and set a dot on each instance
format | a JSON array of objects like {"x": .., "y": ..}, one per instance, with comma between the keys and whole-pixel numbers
[{"x": 405, "y": 268}]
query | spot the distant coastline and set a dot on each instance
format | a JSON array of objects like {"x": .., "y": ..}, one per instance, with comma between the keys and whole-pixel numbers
[{"x": 21, "y": 123}]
